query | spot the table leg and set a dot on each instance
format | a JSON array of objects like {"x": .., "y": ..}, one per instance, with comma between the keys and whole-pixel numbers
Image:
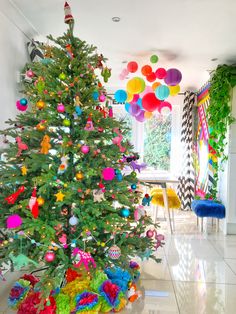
[{"x": 166, "y": 204}]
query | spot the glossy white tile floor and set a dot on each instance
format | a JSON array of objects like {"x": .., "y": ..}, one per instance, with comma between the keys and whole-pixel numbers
[{"x": 197, "y": 274}]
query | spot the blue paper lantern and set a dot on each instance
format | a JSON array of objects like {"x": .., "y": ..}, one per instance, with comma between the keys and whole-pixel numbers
[
  {"x": 95, "y": 95},
  {"x": 127, "y": 106},
  {"x": 139, "y": 102},
  {"x": 162, "y": 92},
  {"x": 124, "y": 212},
  {"x": 23, "y": 102},
  {"x": 120, "y": 95}
]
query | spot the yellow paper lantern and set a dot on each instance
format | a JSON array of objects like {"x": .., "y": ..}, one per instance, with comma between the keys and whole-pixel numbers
[
  {"x": 129, "y": 97},
  {"x": 174, "y": 90},
  {"x": 135, "y": 85},
  {"x": 148, "y": 114}
]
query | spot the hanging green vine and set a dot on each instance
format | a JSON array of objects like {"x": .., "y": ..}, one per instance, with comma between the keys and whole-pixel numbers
[{"x": 219, "y": 114}]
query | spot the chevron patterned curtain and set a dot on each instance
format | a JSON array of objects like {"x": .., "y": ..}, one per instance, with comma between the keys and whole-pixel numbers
[{"x": 186, "y": 179}]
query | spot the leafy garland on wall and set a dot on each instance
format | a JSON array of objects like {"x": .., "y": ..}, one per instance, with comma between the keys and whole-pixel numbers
[{"x": 219, "y": 114}]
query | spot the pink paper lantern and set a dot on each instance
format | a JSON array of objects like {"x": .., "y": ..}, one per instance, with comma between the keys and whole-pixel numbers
[
  {"x": 14, "y": 221},
  {"x": 147, "y": 90},
  {"x": 165, "y": 107},
  {"x": 160, "y": 73},
  {"x": 108, "y": 174}
]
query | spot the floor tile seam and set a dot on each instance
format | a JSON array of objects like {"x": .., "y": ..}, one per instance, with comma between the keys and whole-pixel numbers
[
  {"x": 215, "y": 248},
  {"x": 230, "y": 266}
]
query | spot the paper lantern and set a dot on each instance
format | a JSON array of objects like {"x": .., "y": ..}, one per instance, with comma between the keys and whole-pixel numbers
[
  {"x": 120, "y": 95},
  {"x": 140, "y": 117},
  {"x": 135, "y": 98},
  {"x": 125, "y": 72},
  {"x": 160, "y": 73},
  {"x": 154, "y": 59},
  {"x": 147, "y": 90},
  {"x": 135, "y": 85},
  {"x": 129, "y": 97},
  {"x": 174, "y": 90},
  {"x": 134, "y": 110},
  {"x": 162, "y": 92},
  {"x": 151, "y": 77},
  {"x": 14, "y": 221},
  {"x": 165, "y": 108},
  {"x": 108, "y": 174},
  {"x": 150, "y": 102},
  {"x": 173, "y": 77},
  {"x": 146, "y": 70},
  {"x": 132, "y": 66},
  {"x": 148, "y": 114},
  {"x": 139, "y": 103},
  {"x": 155, "y": 85},
  {"x": 127, "y": 106}
]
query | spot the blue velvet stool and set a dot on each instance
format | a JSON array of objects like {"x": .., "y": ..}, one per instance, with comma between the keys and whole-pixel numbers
[{"x": 208, "y": 208}]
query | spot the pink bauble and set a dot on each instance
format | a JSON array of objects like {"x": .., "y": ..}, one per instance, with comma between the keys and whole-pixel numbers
[
  {"x": 30, "y": 73},
  {"x": 102, "y": 98},
  {"x": 85, "y": 149},
  {"x": 60, "y": 108},
  {"x": 14, "y": 221},
  {"x": 108, "y": 174},
  {"x": 20, "y": 107},
  {"x": 149, "y": 233},
  {"x": 49, "y": 256}
]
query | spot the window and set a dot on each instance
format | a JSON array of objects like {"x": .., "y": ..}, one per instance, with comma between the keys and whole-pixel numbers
[{"x": 157, "y": 140}]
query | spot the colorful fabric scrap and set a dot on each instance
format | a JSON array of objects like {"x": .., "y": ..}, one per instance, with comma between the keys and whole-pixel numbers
[
  {"x": 87, "y": 301},
  {"x": 119, "y": 277},
  {"x": 18, "y": 293}
]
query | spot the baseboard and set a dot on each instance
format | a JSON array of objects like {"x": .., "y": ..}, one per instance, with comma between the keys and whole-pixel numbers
[{"x": 230, "y": 228}]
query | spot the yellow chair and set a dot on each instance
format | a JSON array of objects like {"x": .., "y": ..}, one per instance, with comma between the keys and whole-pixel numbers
[{"x": 173, "y": 201}]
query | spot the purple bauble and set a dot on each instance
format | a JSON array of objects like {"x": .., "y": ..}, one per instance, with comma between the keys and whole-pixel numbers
[
  {"x": 49, "y": 256},
  {"x": 60, "y": 108},
  {"x": 85, "y": 149},
  {"x": 173, "y": 77},
  {"x": 149, "y": 233}
]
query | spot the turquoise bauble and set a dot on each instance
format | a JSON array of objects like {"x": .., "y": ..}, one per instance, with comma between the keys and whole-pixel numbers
[{"x": 124, "y": 212}]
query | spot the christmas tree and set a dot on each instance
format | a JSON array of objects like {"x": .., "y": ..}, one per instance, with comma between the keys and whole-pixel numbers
[{"x": 65, "y": 203}]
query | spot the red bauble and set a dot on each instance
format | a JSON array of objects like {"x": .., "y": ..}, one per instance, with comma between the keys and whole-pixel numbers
[
  {"x": 150, "y": 102},
  {"x": 49, "y": 256}
]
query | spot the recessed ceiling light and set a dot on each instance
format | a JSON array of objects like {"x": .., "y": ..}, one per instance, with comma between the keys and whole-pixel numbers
[
  {"x": 116, "y": 19},
  {"x": 214, "y": 59},
  {"x": 124, "y": 61}
]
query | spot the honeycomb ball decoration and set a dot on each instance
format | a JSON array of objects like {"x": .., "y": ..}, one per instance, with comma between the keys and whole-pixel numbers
[
  {"x": 124, "y": 212},
  {"x": 40, "y": 104},
  {"x": 114, "y": 252},
  {"x": 41, "y": 201},
  {"x": 49, "y": 256}
]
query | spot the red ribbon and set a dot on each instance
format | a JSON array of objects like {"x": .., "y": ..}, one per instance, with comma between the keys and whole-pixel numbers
[{"x": 11, "y": 199}]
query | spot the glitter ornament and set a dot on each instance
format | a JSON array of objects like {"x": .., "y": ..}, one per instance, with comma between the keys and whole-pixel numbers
[
  {"x": 49, "y": 256},
  {"x": 108, "y": 174},
  {"x": 73, "y": 221},
  {"x": 14, "y": 221},
  {"x": 114, "y": 252}
]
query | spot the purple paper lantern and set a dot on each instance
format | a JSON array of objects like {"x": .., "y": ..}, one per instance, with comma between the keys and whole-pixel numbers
[
  {"x": 134, "y": 110},
  {"x": 173, "y": 77},
  {"x": 140, "y": 117}
]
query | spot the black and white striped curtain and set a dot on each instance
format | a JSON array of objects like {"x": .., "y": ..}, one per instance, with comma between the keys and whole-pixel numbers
[{"x": 186, "y": 179}]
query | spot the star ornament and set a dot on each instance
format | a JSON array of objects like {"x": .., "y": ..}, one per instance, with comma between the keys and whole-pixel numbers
[
  {"x": 24, "y": 170},
  {"x": 60, "y": 196}
]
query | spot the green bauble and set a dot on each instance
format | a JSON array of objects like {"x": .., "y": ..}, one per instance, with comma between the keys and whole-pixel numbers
[
  {"x": 133, "y": 174},
  {"x": 62, "y": 76},
  {"x": 66, "y": 122}
]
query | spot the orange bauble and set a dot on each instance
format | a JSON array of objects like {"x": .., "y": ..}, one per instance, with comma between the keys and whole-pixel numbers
[
  {"x": 79, "y": 176},
  {"x": 41, "y": 201},
  {"x": 40, "y": 104}
]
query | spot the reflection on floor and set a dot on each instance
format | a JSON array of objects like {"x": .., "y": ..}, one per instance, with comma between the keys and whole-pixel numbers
[{"x": 197, "y": 274}]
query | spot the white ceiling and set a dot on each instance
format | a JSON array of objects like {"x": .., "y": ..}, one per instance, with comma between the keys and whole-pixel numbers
[{"x": 185, "y": 34}]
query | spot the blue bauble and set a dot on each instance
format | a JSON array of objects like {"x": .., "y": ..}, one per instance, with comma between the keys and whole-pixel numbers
[
  {"x": 124, "y": 212},
  {"x": 23, "y": 102},
  {"x": 133, "y": 186},
  {"x": 95, "y": 95}
]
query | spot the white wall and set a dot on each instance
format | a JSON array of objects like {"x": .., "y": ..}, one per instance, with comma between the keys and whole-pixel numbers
[
  {"x": 14, "y": 33},
  {"x": 227, "y": 182}
]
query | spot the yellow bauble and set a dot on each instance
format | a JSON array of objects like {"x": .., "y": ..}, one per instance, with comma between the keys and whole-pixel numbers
[
  {"x": 40, "y": 104},
  {"x": 40, "y": 127},
  {"x": 79, "y": 176},
  {"x": 41, "y": 201}
]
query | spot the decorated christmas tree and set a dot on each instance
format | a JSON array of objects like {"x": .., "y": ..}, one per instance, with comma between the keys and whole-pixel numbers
[{"x": 67, "y": 206}]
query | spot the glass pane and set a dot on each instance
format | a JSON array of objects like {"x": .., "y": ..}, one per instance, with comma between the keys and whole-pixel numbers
[
  {"x": 122, "y": 115},
  {"x": 157, "y": 142}
]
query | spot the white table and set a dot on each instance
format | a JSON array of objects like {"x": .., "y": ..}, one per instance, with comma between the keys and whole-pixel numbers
[{"x": 162, "y": 181}]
